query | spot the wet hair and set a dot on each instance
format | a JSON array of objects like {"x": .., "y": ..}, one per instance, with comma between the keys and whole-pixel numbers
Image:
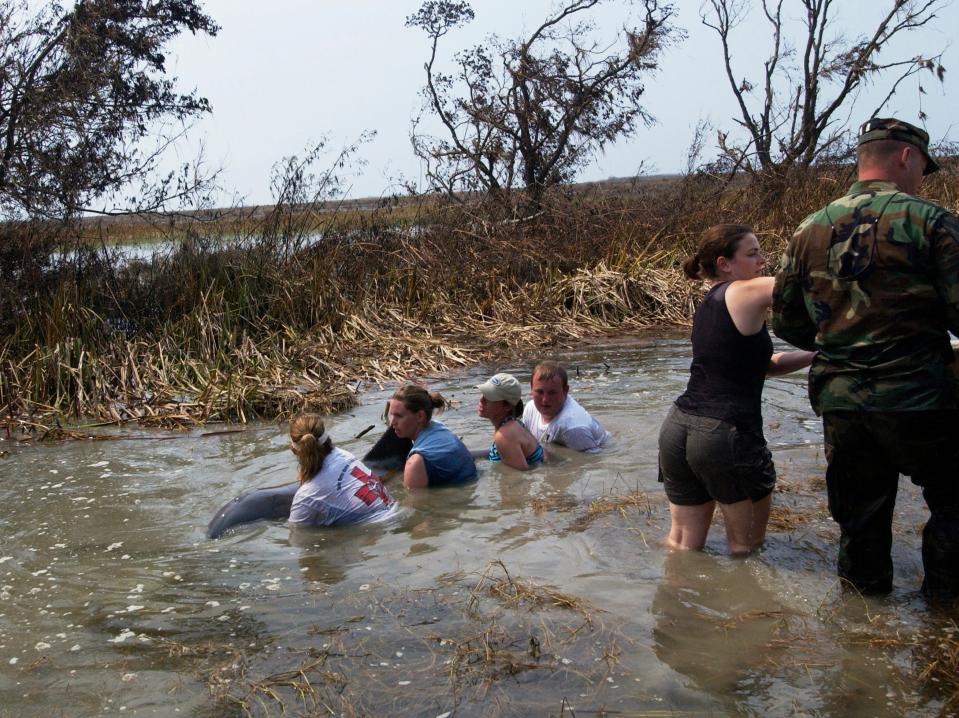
[
  {"x": 305, "y": 432},
  {"x": 546, "y": 370},
  {"x": 416, "y": 398},
  {"x": 720, "y": 240}
]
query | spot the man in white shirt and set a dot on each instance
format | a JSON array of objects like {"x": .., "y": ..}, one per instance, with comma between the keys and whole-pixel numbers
[{"x": 554, "y": 416}]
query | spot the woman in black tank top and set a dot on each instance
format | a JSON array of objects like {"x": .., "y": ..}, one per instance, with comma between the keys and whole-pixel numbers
[{"x": 711, "y": 446}]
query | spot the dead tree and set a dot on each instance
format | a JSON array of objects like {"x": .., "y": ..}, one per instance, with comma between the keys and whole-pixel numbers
[
  {"x": 793, "y": 114},
  {"x": 87, "y": 105},
  {"x": 528, "y": 113}
]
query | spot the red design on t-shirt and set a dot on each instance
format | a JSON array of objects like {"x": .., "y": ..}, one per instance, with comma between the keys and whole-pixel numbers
[{"x": 371, "y": 488}]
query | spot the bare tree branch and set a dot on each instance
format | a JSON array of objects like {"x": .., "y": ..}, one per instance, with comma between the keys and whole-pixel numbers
[
  {"x": 796, "y": 119},
  {"x": 532, "y": 111},
  {"x": 81, "y": 91}
]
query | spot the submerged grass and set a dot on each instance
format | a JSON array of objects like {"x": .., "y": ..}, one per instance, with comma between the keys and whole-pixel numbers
[
  {"x": 936, "y": 656},
  {"x": 636, "y": 499},
  {"x": 497, "y": 583},
  {"x": 930, "y": 655},
  {"x": 784, "y": 518},
  {"x": 458, "y": 647}
]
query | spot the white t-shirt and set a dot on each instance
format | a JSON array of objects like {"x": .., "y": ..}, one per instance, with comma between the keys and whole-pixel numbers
[
  {"x": 572, "y": 427},
  {"x": 344, "y": 491}
]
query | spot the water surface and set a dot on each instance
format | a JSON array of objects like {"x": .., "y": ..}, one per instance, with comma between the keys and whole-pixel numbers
[{"x": 545, "y": 593}]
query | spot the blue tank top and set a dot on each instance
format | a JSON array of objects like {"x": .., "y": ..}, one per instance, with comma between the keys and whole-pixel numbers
[
  {"x": 534, "y": 458},
  {"x": 447, "y": 460},
  {"x": 728, "y": 371}
]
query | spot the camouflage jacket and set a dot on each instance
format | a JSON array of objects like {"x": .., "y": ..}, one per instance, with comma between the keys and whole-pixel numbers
[{"x": 871, "y": 282}]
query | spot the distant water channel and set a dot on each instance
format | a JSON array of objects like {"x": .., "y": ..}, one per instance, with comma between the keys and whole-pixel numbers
[{"x": 546, "y": 593}]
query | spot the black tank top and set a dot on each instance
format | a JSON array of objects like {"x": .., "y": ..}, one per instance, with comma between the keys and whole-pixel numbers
[{"x": 728, "y": 370}]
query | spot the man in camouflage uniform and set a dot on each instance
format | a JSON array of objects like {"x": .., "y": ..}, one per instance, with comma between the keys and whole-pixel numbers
[{"x": 871, "y": 282}]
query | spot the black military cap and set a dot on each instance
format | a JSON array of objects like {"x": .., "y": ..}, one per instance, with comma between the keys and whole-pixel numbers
[{"x": 889, "y": 128}]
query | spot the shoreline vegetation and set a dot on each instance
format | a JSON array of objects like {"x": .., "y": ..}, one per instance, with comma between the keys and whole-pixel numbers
[{"x": 265, "y": 312}]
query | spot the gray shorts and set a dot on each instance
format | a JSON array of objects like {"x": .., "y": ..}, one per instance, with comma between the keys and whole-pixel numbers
[{"x": 702, "y": 459}]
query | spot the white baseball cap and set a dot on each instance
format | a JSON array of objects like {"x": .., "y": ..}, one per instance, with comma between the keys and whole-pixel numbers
[{"x": 502, "y": 387}]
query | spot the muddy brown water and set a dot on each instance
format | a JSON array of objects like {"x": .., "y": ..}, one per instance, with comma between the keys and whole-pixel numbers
[{"x": 547, "y": 593}]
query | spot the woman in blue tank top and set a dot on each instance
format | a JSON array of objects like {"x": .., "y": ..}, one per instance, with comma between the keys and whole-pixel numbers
[
  {"x": 711, "y": 446},
  {"x": 501, "y": 402},
  {"x": 438, "y": 457}
]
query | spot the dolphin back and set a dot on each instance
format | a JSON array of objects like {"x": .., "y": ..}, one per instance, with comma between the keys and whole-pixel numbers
[{"x": 270, "y": 503}]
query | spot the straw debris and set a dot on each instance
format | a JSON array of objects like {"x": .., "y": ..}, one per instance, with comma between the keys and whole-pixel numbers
[
  {"x": 936, "y": 663},
  {"x": 621, "y": 504},
  {"x": 515, "y": 592},
  {"x": 494, "y": 654},
  {"x": 784, "y": 518}
]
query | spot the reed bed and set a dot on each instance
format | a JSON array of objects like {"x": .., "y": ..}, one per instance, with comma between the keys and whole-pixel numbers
[{"x": 267, "y": 313}]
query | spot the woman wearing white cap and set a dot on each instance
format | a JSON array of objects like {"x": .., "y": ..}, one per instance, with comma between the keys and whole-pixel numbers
[
  {"x": 335, "y": 486},
  {"x": 501, "y": 402}
]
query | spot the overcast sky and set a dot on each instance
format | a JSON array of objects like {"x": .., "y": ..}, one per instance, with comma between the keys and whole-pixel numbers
[{"x": 281, "y": 75}]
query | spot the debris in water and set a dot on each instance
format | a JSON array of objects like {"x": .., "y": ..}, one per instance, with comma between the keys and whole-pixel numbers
[{"x": 122, "y": 637}]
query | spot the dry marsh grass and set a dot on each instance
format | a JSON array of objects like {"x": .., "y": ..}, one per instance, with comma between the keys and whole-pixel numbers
[{"x": 282, "y": 311}]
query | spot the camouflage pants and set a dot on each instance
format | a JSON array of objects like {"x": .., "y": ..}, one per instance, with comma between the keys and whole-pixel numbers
[{"x": 866, "y": 452}]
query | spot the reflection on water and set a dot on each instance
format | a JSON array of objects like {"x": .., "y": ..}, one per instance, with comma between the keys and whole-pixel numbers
[
  {"x": 112, "y": 600},
  {"x": 716, "y": 624}
]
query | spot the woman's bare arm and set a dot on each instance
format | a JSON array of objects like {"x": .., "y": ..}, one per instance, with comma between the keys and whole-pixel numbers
[
  {"x": 786, "y": 362},
  {"x": 510, "y": 451},
  {"x": 414, "y": 474},
  {"x": 748, "y": 302}
]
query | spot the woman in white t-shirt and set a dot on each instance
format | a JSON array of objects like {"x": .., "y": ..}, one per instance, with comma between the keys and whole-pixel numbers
[{"x": 335, "y": 486}]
